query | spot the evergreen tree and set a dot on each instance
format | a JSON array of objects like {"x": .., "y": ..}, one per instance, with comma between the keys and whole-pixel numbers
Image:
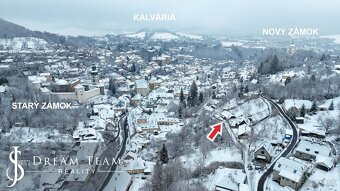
[
  {"x": 133, "y": 67},
  {"x": 312, "y": 78},
  {"x": 193, "y": 93},
  {"x": 292, "y": 114},
  {"x": 331, "y": 106},
  {"x": 213, "y": 95},
  {"x": 181, "y": 97},
  {"x": 164, "y": 155},
  {"x": 180, "y": 112},
  {"x": 261, "y": 68},
  {"x": 157, "y": 178},
  {"x": 314, "y": 107},
  {"x": 201, "y": 97},
  {"x": 274, "y": 66},
  {"x": 112, "y": 85},
  {"x": 189, "y": 101},
  {"x": 246, "y": 89},
  {"x": 302, "y": 111}
]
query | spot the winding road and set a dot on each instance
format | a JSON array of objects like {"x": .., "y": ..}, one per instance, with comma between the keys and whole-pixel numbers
[
  {"x": 123, "y": 128},
  {"x": 288, "y": 149}
]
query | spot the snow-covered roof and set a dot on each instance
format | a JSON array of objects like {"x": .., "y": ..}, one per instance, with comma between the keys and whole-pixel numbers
[
  {"x": 244, "y": 129},
  {"x": 136, "y": 97},
  {"x": 313, "y": 148},
  {"x": 268, "y": 147},
  {"x": 78, "y": 86},
  {"x": 324, "y": 161},
  {"x": 120, "y": 181},
  {"x": 228, "y": 178},
  {"x": 141, "y": 83},
  {"x": 2, "y": 89},
  {"x": 62, "y": 82},
  {"x": 137, "y": 164},
  {"x": 290, "y": 168},
  {"x": 82, "y": 132},
  {"x": 226, "y": 114}
]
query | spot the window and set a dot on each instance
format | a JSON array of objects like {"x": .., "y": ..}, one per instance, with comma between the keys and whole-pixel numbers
[
  {"x": 316, "y": 152},
  {"x": 279, "y": 165},
  {"x": 307, "y": 149},
  {"x": 294, "y": 171},
  {"x": 262, "y": 152}
]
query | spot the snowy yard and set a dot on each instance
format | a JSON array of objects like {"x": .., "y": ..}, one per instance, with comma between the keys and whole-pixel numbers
[
  {"x": 257, "y": 109},
  {"x": 36, "y": 135},
  {"x": 221, "y": 155}
]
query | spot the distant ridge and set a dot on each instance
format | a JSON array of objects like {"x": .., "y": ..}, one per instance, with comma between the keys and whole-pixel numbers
[{"x": 9, "y": 30}]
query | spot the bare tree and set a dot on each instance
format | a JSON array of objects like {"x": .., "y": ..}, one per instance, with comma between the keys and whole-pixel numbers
[{"x": 205, "y": 147}]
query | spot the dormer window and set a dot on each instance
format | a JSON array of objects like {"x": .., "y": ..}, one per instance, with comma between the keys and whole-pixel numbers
[
  {"x": 316, "y": 152},
  {"x": 307, "y": 149}
]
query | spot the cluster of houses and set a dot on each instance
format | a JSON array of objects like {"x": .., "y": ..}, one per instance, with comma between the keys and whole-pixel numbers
[{"x": 295, "y": 170}]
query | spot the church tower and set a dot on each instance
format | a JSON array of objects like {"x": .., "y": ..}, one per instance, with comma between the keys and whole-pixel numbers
[{"x": 95, "y": 74}]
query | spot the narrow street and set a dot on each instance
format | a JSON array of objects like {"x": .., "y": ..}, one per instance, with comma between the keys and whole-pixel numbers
[
  {"x": 122, "y": 128},
  {"x": 261, "y": 184}
]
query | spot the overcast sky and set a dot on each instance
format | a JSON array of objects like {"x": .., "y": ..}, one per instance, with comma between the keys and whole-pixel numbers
[{"x": 222, "y": 17}]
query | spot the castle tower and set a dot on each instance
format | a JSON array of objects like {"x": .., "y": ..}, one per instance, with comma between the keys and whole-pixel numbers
[
  {"x": 95, "y": 74},
  {"x": 80, "y": 90},
  {"x": 291, "y": 49}
]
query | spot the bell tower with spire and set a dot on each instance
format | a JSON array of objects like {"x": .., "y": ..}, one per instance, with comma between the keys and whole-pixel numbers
[{"x": 95, "y": 74}]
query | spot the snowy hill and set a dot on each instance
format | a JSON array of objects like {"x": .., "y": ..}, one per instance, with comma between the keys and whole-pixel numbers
[
  {"x": 190, "y": 36},
  {"x": 164, "y": 36},
  {"x": 336, "y": 38},
  {"x": 24, "y": 43},
  {"x": 139, "y": 35}
]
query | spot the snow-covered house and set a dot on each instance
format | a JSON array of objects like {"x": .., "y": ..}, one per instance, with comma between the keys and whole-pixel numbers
[
  {"x": 2, "y": 90},
  {"x": 154, "y": 83},
  {"x": 264, "y": 152},
  {"x": 84, "y": 134},
  {"x": 136, "y": 99},
  {"x": 290, "y": 172},
  {"x": 135, "y": 166},
  {"x": 295, "y": 105},
  {"x": 324, "y": 163},
  {"x": 120, "y": 181},
  {"x": 238, "y": 121},
  {"x": 309, "y": 150},
  {"x": 243, "y": 131},
  {"x": 142, "y": 87},
  {"x": 228, "y": 179},
  {"x": 227, "y": 115}
]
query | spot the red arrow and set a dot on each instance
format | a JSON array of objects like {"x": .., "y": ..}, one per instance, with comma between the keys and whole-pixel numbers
[{"x": 215, "y": 130}]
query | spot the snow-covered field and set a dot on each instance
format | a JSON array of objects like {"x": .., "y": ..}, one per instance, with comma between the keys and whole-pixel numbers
[
  {"x": 276, "y": 78},
  {"x": 273, "y": 128},
  {"x": 256, "y": 108},
  {"x": 223, "y": 155},
  {"x": 336, "y": 38},
  {"x": 315, "y": 122},
  {"x": 35, "y": 135},
  {"x": 164, "y": 36},
  {"x": 191, "y": 36},
  {"x": 231, "y": 43},
  {"x": 323, "y": 181},
  {"x": 140, "y": 35}
]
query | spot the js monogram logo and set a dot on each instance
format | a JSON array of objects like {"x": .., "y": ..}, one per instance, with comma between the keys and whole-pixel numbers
[{"x": 13, "y": 157}]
